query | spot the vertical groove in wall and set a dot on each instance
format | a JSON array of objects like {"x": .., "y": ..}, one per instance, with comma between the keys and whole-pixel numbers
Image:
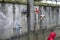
[
  {"x": 14, "y": 19},
  {"x": 52, "y": 10},
  {"x": 57, "y": 15},
  {"x": 49, "y": 16}
]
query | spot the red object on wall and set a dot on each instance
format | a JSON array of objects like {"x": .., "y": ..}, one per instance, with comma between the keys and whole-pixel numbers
[
  {"x": 52, "y": 36},
  {"x": 36, "y": 10}
]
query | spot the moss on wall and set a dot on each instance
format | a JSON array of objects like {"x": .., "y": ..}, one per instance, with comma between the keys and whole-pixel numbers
[{"x": 35, "y": 3}]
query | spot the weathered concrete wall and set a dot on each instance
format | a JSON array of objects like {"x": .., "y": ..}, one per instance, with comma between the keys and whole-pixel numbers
[
  {"x": 6, "y": 20},
  {"x": 6, "y": 24},
  {"x": 52, "y": 17},
  {"x": 21, "y": 18}
]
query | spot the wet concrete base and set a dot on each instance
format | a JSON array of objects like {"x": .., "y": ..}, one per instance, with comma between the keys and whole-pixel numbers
[{"x": 32, "y": 36}]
